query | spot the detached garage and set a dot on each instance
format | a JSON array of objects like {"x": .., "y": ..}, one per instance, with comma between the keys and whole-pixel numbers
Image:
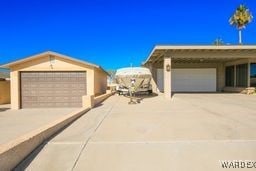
[{"x": 52, "y": 80}]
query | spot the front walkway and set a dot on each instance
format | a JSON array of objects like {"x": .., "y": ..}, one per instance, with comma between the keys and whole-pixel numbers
[{"x": 191, "y": 132}]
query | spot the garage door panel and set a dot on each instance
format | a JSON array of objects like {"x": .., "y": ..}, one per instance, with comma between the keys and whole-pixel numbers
[
  {"x": 194, "y": 80},
  {"x": 52, "y": 89}
]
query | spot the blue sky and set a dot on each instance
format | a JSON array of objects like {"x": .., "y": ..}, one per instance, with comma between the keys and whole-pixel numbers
[{"x": 114, "y": 33}]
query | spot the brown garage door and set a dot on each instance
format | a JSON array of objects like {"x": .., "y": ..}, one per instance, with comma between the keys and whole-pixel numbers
[{"x": 52, "y": 89}]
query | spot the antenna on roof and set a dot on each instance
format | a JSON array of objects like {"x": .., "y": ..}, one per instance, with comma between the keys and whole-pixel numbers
[{"x": 131, "y": 60}]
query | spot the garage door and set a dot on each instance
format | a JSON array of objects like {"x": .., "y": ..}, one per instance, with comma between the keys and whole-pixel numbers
[
  {"x": 194, "y": 80},
  {"x": 52, "y": 89}
]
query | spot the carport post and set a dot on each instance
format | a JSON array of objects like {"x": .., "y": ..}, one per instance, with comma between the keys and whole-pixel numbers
[
  {"x": 249, "y": 74},
  {"x": 167, "y": 77}
]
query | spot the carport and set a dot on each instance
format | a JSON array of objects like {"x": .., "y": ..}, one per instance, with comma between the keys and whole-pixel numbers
[{"x": 202, "y": 68}]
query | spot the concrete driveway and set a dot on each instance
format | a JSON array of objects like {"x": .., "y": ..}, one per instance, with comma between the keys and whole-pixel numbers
[
  {"x": 190, "y": 132},
  {"x": 15, "y": 123}
]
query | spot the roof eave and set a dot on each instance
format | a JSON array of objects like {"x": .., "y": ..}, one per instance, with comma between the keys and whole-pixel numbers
[
  {"x": 148, "y": 58},
  {"x": 198, "y": 47},
  {"x": 210, "y": 47},
  {"x": 8, "y": 65}
]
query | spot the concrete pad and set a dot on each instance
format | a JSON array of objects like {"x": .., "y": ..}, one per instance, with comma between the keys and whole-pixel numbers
[
  {"x": 199, "y": 118},
  {"x": 189, "y": 132},
  {"x": 60, "y": 156},
  {"x": 164, "y": 156},
  {"x": 84, "y": 127},
  {"x": 75, "y": 136},
  {"x": 15, "y": 123},
  {"x": 13, "y": 152}
]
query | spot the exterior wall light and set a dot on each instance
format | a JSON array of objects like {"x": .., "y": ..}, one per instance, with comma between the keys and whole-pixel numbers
[{"x": 168, "y": 67}]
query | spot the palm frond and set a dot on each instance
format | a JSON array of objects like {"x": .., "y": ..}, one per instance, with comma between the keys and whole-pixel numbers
[{"x": 241, "y": 17}]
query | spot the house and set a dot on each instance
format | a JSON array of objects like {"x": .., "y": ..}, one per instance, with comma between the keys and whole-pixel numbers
[
  {"x": 4, "y": 75},
  {"x": 4, "y": 88},
  {"x": 53, "y": 80},
  {"x": 202, "y": 68}
]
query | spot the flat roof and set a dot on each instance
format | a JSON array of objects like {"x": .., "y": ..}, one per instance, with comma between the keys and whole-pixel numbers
[
  {"x": 205, "y": 47},
  {"x": 164, "y": 49}
]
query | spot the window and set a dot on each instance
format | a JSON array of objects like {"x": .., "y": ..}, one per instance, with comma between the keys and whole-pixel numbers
[
  {"x": 241, "y": 75},
  {"x": 230, "y": 76},
  {"x": 253, "y": 75}
]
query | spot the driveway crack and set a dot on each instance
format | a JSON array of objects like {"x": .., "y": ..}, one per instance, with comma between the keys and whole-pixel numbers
[{"x": 97, "y": 127}]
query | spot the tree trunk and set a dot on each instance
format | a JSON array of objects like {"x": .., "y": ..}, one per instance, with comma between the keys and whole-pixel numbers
[{"x": 240, "y": 36}]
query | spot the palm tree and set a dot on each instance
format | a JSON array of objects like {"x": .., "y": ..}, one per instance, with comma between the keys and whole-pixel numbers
[{"x": 240, "y": 19}]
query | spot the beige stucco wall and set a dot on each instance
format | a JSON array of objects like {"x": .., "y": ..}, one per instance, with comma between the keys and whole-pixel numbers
[
  {"x": 15, "y": 90},
  {"x": 100, "y": 82},
  {"x": 5, "y": 96},
  {"x": 58, "y": 64}
]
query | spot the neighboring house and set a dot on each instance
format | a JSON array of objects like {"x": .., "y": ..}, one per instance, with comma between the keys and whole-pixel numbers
[
  {"x": 54, "y": 80},
  {"x": 202, "y": 68},
  {"x": 4, "y": 76},
  {"x": 4, "y": 88}
]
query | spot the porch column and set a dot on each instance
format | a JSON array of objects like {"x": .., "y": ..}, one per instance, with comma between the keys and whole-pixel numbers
[
  {"x": 167, "y": 77},
  {"x": 234, "y": 75},
  {"x": 15, "y": 90},
  {"x": 249, "y": 75}
]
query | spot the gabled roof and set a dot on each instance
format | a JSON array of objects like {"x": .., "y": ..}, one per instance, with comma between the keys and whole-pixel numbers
[{"x": 8, "y": 65}]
